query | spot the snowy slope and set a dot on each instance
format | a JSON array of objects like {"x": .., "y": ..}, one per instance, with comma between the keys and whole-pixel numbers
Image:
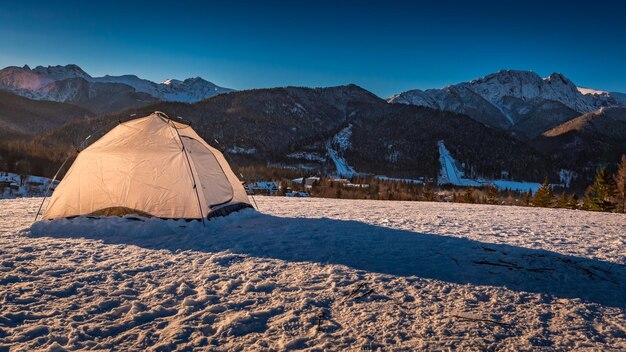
[
  {"x": 335, "y": 148},
  {"x": 511, "y": 97},
  {"x": 190, "y": 90},
  {"x": 59, "y": 72},
  {"x": 316, "y": 274},
  {"x": 591, "y": 91},
  {"x": 450, "y": 174},
  {"x": 528, "y": 85},
  {"x": 525, "y": 85},
  {"x": 619, "y": 97}
]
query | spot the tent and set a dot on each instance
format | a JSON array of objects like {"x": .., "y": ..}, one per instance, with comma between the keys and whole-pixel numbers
[{"x": 151, "y": 166}]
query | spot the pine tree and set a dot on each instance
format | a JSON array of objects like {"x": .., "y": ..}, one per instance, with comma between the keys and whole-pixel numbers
[
  {"x": 428, "y": 193},
  {"x": 572, "y": 203},
  {"x": 562, "y": 201},
  {"x": 543, "y": 196},
  {"x": 620, "y": 184},
  {"x": 492, "y": 195},
  {"x": 468, "y": 197},
  {"x": 598, "y": 195},
  {"x": 528, "y": 197}
]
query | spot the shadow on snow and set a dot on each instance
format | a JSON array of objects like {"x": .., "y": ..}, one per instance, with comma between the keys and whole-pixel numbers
[{"x": 365, "y": 247}]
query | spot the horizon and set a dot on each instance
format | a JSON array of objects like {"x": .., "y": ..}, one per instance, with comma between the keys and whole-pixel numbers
[
  {"x": 386, "y": 49},
  {"x": 327, "y": 86}
]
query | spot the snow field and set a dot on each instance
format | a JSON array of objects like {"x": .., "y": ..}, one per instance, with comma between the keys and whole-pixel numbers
[{"x": 316, "y": 274}]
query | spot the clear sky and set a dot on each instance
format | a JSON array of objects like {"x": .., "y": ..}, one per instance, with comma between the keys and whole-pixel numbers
[{"x": 386, "y": 46}]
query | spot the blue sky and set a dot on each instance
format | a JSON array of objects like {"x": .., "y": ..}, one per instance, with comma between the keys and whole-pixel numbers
[{"x": 385, "y": 47}]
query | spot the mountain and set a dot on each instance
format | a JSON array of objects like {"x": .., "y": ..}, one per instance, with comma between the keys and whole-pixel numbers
[
  {"x": 190, "y": 90},
  {"x": 21, "y": 116},
  {"x": 520, "y": 102},
  {"x": 595, "y": 138},
  {"x": 70, "y": 84},
  {"x": 343, "y": 130},
  {"x": 333, "y": 129}
]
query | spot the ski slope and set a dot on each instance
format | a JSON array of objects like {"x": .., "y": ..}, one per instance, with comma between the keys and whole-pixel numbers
[
  {"x": 449, "y": 174},
  {"x": 335, "y": 148},
  {"x": 316, "y": 274}
]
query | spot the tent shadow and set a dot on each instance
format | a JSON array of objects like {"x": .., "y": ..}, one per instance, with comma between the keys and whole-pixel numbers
[{"x": 368, "y": 248}]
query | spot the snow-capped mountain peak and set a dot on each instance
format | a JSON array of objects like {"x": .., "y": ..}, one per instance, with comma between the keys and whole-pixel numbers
[
  {"x": 61, "y": 72},
  {"x": 51, "y": 83},
  {"x": 527, "y": 85},
  {"x": 507, "y": 98},
  {"x": 171, "y": 81},
  {"x": 590, "y": 91}
]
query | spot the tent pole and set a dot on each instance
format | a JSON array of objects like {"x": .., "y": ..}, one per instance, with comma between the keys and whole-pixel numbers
[
  {"x": 50, "y": 186},
  {"x": 65, "y": 161},
  {"x": 225, "y": 152},
  {"x": 195, "y": 185}
]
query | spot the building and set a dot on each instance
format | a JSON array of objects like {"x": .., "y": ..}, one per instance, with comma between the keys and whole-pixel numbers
[{"x": 263, "y": 187}]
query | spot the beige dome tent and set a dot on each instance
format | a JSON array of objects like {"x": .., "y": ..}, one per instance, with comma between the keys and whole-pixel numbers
[{"x": 151, "y": 166}]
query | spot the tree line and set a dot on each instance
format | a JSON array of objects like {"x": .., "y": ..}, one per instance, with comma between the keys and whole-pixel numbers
[{"x": 606, "y": 193}]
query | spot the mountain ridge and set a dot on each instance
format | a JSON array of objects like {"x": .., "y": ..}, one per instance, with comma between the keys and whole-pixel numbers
[
  {"x": 71, "y": 84},
  {"x": 508, "y": 98},
  {"x": 295, "y": 127}
]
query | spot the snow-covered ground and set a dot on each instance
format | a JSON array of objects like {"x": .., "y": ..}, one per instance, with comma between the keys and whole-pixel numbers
[{"x": 316, "y": 274}]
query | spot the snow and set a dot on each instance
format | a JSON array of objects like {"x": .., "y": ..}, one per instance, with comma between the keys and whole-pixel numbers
[
  {"x": 310, "y": 156},
  {"x": 307, "y": 180},
  {"x": 341, "y": 165},
  {"x": 59, "y": 72},
  {"x": 268, "y": 185},
  {"x": 263, "y": 186},
  {"x": 416, "y": 97},
  {"x": 620, "y": 98},
  {"x": 35, "y": 84},
  {"x": 451, "y": 175},
  {"x": 516, "y": 185},
  {"x": 373, "y": 275},
  {"x": 170, "y": 81},
  {"x": 242, "y": 150},
  {"x": 396, "y": 179},
  {"x": 342, "y": 139},
  {"x": 13, "y": 185},
  {"x": 297, "y": 194},
  {"x": 566, "y": 177},
  {"x": 393, "y": 156},
  {"x": 335, "y": 148},
  {"x": 591, "y": 91},
  {"x": 527, "y": 86}
]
